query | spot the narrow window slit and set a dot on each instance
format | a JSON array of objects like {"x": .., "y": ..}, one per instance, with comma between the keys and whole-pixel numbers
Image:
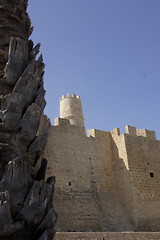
[{"x": 151, "y": 174}]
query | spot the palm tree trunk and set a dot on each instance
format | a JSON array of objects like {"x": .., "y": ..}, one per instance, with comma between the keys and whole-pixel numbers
[
  {"x": 14, "y": 22},
  {"x": 26, "y": 210}
]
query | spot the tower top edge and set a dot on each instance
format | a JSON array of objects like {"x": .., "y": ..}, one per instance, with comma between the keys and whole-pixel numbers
[{"x": 69, "y": 96}]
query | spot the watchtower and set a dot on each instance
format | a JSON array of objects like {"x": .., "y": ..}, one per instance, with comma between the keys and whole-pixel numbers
[{"x": 71, "y": 108}]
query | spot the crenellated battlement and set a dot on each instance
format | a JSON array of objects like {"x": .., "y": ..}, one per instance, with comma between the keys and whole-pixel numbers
[
  {"x": 132, "y": 131},
  {"x": 69, "y": 96},
  {"x": 140, "y": 132},
  {"x": 61, "y": 122},
  {"x": 94, "y": 133}
]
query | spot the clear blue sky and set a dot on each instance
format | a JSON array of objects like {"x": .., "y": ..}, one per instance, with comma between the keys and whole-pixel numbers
[{"x": 106, "y": 51}]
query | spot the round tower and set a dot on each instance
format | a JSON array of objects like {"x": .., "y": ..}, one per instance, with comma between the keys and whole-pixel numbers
[{"x": 71, "y": 108}]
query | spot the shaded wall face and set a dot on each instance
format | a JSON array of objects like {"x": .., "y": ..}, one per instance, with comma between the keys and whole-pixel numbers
[
  {"x": 144, "y": 169},
  {"x": 136, "y": 166}
]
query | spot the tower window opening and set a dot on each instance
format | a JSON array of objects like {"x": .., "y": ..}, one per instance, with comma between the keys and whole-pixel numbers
[
  {"x": 151, "y": 174},
  {"x": 69, "y": 183}
]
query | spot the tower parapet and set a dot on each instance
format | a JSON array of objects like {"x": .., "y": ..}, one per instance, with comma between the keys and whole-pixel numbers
[{"x": 71, "y": 109}]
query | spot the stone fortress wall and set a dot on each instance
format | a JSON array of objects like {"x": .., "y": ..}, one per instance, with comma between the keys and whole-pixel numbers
[{"x": 105, "y": 181}]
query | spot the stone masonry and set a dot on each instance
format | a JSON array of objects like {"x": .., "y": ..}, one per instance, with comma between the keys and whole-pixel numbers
[{"x": 105, "y": 181}]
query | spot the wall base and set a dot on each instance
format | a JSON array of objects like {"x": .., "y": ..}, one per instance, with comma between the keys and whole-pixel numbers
[{"x": 107, "y": 236}]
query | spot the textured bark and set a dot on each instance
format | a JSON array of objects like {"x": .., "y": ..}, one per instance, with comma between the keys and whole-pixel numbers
[{"x": 26, "y": 209}]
